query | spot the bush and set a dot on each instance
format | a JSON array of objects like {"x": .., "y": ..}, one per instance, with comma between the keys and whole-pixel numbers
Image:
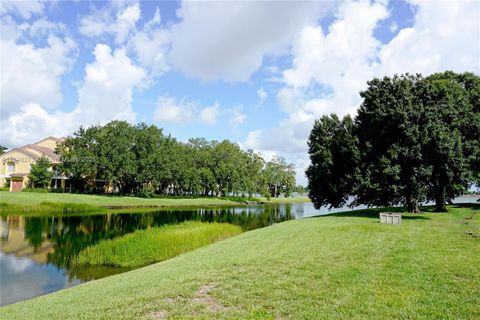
[
  {"x": 39, "y": 190},
  {"x": 5, "y": 189},
  {"x": 57, "y": 190},
  {"x": 146, "y": 192}
]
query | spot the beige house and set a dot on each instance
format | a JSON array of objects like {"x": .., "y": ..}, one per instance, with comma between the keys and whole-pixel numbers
[{"x": 15, "y": 164}]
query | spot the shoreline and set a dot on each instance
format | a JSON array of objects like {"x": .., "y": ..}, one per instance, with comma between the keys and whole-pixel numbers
[
  {"x": 63, "y": 203},
  {"x": 243, "y": 273}
]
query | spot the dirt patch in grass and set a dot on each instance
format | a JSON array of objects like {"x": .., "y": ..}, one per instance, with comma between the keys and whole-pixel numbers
[
  {"x": 203, "y": 297},
  {"x": 157, "y": 315}
]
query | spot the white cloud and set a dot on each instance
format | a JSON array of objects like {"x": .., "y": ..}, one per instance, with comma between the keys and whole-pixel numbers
[
  {"x": 262, "y": 95},
  {"x": 148, "y": 44},
  {"x": 169, "y": 110},
  {"x": 228, "y": 40},
  {"x": 108, "y": 87},
  {"x": 39, "y": 69},
  {"x": 393, "y": 27},
  {"x": 150, "y": 47},
  {"x": 238, "y": 117},
  {"x": 444, "y": 37},
  {"x": 288, "y": 137},
  {"x": 209, "y": 115},
  {"x": 106, "y": 94},
  {"x": 328, "y": 71},
  {"x": 116, "y": 19},
  {"x": 32, "y": 122},
  {"x": 25, "y": 9}
]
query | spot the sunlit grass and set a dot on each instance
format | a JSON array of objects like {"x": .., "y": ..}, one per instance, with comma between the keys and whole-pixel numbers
[
  {"x": 342, "y": 266},
  {"x": 46, "y": 207},
  {"x": 28, "y": 201},
  {"x": 144, "y": 247}
]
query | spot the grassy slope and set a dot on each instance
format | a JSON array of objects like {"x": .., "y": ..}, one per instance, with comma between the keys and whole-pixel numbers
[
  {"x": 334, "y": 267},
  {"x": 144, "y": 247},
  {"x": 31, "y": 198}
]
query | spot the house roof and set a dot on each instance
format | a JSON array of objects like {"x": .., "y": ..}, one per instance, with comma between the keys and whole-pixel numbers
[
  {"x": 44, "y": 150},
  {"x": 31, "y": 150}
]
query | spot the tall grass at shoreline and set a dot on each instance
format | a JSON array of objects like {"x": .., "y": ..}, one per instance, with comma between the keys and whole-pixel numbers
[
  {"x": 47, "y": 207},
  {"x": 144, "y": 247},
  {"x": 339, "y": 266}
]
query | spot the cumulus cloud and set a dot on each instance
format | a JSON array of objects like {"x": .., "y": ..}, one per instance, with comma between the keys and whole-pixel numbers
[
  {"x": 150, "y": 47},
  {"x": 444, "y": 37},
  {"x": 32, "y": 122},
  {"x": 106, "y": 94},
  {"x": 25, "y": 9},
  {"x": 209, "y": 115},
  {"x": 230, "y": 39},
  {"x": 117, "y": 19},
  {"x": 262, "y": 95},
  {"x": 393, "y": 27},
  {"x": 169, "y": 110},
  {"x": 148, "y": 44},
  {"x": 330, "y": 68},
  {"x": 108, "y": 87},
  {"x": 238, "y": 117},
  {"x": 288, "y": 137},
  {"x": 327, "y": 73},
  {"x": 38, "y": 68}
]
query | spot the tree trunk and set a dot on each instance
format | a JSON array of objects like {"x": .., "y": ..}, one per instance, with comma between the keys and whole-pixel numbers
[
  {"x": 412, "y": 204},
  {"x": 440, "y": 198}
]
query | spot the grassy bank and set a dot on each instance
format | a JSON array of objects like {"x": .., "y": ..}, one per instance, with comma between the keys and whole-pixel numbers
[
  {"x": 342, "y": 266},
  {"x": 29, "y": 201},
  {"x": 145, "y": 247},
  {"x": 48, "y": 207}
]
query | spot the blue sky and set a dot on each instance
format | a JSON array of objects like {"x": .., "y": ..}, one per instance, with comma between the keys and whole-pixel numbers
[{"x": 257, "y": 73}]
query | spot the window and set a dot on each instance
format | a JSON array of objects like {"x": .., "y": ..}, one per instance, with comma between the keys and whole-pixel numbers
[{"x": 11, "y": 167}]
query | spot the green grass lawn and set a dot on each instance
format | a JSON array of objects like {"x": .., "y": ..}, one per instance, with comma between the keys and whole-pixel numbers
[
  {"x": 33, "y": 201},
  {"x": 144, "y": 247},
  {"x": 342, "y": 266}
]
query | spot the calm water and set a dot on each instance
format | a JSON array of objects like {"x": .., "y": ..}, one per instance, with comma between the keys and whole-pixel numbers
[{"x": 36, "y": 252}]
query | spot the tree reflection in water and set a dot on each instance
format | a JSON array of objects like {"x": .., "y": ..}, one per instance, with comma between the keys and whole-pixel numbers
[{"x": 70, "y": 234}]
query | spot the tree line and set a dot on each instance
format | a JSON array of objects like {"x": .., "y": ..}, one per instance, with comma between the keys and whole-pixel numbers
[
  {"x": 140, "y": 159},
  {"x": 413, "y": 139}
]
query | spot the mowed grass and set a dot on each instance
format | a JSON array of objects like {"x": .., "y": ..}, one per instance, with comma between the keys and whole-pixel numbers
[
  {"x": 342, "y": 266},
  {"x": 145, "y": 247},
  {"x": 32, "y": 201},
  {"x": 49, "y": 208}
]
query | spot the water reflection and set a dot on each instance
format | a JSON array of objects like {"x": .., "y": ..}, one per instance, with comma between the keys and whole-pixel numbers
[{"x": 37, "y": 251}]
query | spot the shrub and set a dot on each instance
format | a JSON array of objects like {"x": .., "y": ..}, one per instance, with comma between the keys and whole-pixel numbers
[{"x": 39, "y": 190}]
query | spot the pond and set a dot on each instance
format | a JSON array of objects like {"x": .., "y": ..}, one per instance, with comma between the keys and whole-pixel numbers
[{"x": 36, "y": 251}]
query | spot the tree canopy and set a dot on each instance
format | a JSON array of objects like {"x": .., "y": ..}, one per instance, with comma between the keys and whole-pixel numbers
[
  {"x": 140, "y": 159},
  {"x": 40, "y": 175},
  {"x": 414, "y": 139}
]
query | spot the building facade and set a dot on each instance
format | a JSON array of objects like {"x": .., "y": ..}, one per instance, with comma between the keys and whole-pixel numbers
[{"x": 16, "y": 164}]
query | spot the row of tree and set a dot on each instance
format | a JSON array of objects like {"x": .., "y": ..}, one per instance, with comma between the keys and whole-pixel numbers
[
  {"x": 414, "y": 139},
  {"x": 140, "y": 159}
]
